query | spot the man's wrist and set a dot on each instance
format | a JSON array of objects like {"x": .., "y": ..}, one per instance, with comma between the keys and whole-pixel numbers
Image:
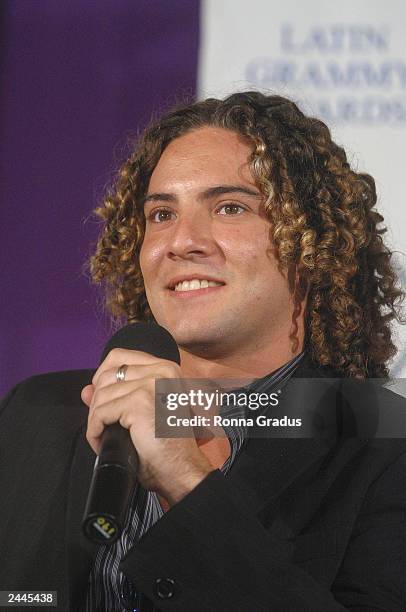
[{"x": 183, "y": 487}]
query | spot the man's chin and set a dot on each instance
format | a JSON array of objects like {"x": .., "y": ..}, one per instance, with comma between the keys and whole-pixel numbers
[
  {"x": 189, "y": 341},
  {"x": 194, "y": 340},
  {"x": 207, "y": 346},
  {"x": 198, "y": 337}
]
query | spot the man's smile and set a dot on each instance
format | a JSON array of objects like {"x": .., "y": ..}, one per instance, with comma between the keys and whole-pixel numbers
[{"x": 196, "y": 283}]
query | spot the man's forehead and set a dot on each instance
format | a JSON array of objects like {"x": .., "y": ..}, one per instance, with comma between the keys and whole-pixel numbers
[
  {"x": 204, "y": 146},
  {"x": 205, "y": 160}
]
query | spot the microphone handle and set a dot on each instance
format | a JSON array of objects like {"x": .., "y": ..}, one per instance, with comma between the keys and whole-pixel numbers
[{"x": 112, "y": 485}]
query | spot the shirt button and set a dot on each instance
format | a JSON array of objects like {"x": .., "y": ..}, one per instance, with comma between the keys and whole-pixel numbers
[
  {"x": 165, "y": 588},
  {"x": 128, "y": 597}
]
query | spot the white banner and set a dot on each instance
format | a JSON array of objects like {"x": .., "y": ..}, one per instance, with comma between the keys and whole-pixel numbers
[{"x": 342, "y": 62}]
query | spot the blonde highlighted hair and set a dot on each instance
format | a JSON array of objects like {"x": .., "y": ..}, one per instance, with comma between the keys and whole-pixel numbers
[{"x": 323, "y": 219}]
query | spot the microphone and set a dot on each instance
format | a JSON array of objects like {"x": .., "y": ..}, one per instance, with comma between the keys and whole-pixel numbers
[{"x": 115, "y": 470}]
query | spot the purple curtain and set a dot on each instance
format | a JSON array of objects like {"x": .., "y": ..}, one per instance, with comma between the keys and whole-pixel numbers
[{"x": 77, "y": 79}]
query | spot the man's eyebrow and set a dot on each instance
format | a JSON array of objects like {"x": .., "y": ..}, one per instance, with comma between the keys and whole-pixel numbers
[
  {"x": 207, "y": 194},
  {"x": 212, "y": 192},
  {"x": 159, "y": 197}
]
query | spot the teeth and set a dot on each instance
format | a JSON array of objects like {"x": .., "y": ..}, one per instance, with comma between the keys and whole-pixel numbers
[{"x": 195, "y": 284}]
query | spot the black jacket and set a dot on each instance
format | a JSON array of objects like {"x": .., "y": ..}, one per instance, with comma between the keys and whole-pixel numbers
[{"x": 297, "y": 524}]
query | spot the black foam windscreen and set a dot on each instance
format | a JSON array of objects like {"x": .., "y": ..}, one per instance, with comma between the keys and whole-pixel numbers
[{"x": 148, "y": 337}]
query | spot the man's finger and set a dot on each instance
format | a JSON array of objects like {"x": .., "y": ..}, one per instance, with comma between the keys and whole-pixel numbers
[
  {"x": 118, "y": 357},
  {"x": 161, "y": 369},
  {"x": 87, "y": 394}
]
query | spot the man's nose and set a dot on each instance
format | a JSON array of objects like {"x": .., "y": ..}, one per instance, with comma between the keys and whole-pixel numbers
[{"x": 191, "y": 236}]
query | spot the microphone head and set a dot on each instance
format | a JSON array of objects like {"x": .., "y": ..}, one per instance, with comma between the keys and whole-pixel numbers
[{"x": 147, "y": 337}]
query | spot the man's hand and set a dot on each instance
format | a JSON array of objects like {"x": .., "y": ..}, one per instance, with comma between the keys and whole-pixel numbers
[{"x": 172, "y": 467}]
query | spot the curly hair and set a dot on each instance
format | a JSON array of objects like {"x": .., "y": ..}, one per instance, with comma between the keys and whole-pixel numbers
[{"x": 322, "y": 217}]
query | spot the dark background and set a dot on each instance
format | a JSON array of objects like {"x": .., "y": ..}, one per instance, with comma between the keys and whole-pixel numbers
[{"x": 78, "y": 79}]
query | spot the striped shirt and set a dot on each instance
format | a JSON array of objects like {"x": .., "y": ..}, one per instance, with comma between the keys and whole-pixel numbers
[{"x": 109, "y": 590}]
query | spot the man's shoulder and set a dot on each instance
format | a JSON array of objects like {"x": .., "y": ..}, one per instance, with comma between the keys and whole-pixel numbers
[
  {"x": 379, "y": 415},
  {"x": 46, "y": 394},
  {"x": 64, "y": 384}
]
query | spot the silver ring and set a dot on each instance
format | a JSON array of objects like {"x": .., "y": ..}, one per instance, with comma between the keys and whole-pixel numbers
[{"x": 120, "y": 374}]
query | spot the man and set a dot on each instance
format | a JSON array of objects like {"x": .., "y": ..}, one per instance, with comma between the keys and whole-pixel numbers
[{"x": 239, "y": 226}]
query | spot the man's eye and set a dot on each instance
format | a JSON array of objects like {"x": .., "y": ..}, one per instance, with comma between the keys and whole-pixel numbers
[
  {"x": 230, "y": 209},
  {"x": 159, "y": 215}
]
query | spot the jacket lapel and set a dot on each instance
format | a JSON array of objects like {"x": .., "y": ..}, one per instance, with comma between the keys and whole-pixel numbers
[
  {"x": 284, "y": 480},
  {"x": 267, "y": 466}
]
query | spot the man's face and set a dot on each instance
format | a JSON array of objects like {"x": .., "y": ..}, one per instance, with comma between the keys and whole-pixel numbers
[{"x": 210, "y": 276}]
